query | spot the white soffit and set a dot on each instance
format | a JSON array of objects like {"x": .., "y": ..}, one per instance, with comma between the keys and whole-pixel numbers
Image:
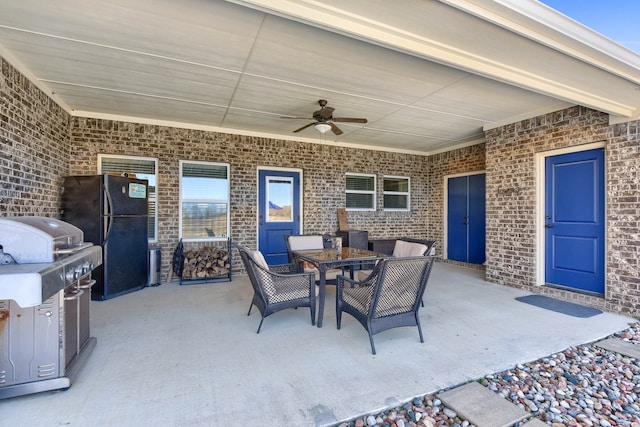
[
  {"x": 428, "y": 75},
  {"x": 596, "y": 57}
]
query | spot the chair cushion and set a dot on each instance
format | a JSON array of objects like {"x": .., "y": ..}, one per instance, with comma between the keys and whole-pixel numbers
[
  {"x": 401, "y": 249},
  {"x": 363, "y": 274},
  {"x": 405, "y": 249},
  {"x": 258, "y": 258},
  {"x": 301, "y": 243},
  {"x": 266, "y": 281}
]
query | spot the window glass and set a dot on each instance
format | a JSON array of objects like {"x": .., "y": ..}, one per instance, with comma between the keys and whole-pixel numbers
[
  {"x": 360, "y": 192},
  {"x": 279, "y": 199},
  {"x": 143, "y": 168},
  {"x": 396, "y": 194},
  {"x": 204, "y": 201}
]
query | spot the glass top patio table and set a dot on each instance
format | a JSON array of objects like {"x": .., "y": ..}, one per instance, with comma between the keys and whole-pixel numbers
[{"x": 326, "y": 259}]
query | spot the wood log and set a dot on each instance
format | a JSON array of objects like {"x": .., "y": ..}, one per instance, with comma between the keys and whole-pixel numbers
[{"x": 206, "y": 262}]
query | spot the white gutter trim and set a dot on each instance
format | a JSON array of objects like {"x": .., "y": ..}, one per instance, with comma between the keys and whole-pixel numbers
[{"x": 541, "y": 23}]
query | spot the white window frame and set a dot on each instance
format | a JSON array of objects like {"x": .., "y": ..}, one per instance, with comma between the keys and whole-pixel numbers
[
  {"x": 152, "y": 195},
  {"x": 407, "y": 193},
  {"x": 226, "y": 201},
  {"x": 372, "y": 192}
]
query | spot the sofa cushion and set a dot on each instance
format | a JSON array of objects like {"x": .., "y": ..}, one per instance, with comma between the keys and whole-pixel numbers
[{"x": 402, "y": 248}]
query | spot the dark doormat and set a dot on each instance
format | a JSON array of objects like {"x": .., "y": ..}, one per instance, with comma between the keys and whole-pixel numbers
[{"x": 564, "y": 307}]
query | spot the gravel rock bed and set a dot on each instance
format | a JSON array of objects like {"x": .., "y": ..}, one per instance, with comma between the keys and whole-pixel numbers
[{"x": 582, "y": 386}]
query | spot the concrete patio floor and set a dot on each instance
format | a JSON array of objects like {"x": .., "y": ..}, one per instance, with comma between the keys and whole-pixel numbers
[{"x": 189, "y": 356}]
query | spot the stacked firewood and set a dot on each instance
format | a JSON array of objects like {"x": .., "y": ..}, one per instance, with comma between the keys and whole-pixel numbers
[{"x": 205, "y": 263}]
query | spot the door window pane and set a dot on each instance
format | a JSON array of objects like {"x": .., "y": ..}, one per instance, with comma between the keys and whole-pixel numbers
[{"x": 279, "y": 199}]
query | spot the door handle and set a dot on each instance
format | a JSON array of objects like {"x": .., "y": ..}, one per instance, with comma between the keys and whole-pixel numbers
[{"x": 548, "y": 225}]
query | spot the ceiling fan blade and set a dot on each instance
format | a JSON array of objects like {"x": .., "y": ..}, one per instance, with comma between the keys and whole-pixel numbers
[
  {"x": 335, "y": 129},
  {"x": 325, "y": 113},
  {"x": 349, "y": 120},
  {"x": 304, "y": 127},
  {"x": 294, "y": 117}
]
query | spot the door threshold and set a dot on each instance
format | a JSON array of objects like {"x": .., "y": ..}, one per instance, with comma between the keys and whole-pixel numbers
[{"x": 574, "y": 290}]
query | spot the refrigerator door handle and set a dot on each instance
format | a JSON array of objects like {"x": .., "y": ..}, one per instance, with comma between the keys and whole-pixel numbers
[{"x": 108, "y": 219}]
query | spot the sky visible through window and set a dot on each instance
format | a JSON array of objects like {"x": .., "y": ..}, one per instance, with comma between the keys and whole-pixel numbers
[{"x": 280, "y": 192}]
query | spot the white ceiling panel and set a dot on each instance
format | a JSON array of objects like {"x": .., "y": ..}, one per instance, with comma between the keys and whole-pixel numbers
[
  {"x": 428, "y": 124},
  {"x": 330, "y": 61},
  {"x": 484, "y": 100},
  {"x": 286, "y": 99},
  {"x": 207, "y": 32},
  {"x": 396, "y": 141},
  {"x": 428, "y": 75},
  {"x": 143, "y": 107},
  {"x": 124, "y": 71}
]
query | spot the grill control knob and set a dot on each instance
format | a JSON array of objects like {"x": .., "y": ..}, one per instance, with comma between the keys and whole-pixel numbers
[{"x": 70, "y": 276}]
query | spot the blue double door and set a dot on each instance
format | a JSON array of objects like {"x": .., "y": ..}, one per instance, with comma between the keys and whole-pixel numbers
[
  {"x": 466, "y": 218},
  {"x": 575, "y": 220}
]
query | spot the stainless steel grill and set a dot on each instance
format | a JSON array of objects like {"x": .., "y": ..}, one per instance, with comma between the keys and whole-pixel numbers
[{"x": 44, "y": 304}]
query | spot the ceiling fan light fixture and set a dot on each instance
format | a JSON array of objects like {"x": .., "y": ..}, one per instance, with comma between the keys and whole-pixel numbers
[{"x": 323, "y": 127}]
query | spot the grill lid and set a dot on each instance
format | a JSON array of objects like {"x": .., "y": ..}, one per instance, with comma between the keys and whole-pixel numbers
[{"x": 36, "y": 239}]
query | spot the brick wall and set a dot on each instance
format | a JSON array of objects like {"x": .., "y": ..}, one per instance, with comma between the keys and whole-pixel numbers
[
  {"x": 37, "y": 138},
  {"x": 34, "y": 147},
  {"x": 324, "y": 169},
  {"x": 511, "y": 202},
  {"x": 623, "y": 219}
]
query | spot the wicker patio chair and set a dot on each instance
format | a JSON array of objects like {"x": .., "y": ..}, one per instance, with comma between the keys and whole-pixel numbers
[
  {"x": 389, "y": 297},
  {"x": 275, "y": 287},
  {"x": 301, "y": 242}
]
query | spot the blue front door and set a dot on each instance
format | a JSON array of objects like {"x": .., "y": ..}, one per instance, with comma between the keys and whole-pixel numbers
[
  {"x": 466, "y": 218},
  {"x": 574, "y": 220},
  {"x": 278, "y": 212}
]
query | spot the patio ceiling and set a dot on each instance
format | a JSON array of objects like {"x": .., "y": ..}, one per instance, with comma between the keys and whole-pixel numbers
[{"x": 428, "y": 75}]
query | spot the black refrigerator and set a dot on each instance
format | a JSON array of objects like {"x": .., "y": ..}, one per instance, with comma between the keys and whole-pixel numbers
[{"x": 112, "y": 211}]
